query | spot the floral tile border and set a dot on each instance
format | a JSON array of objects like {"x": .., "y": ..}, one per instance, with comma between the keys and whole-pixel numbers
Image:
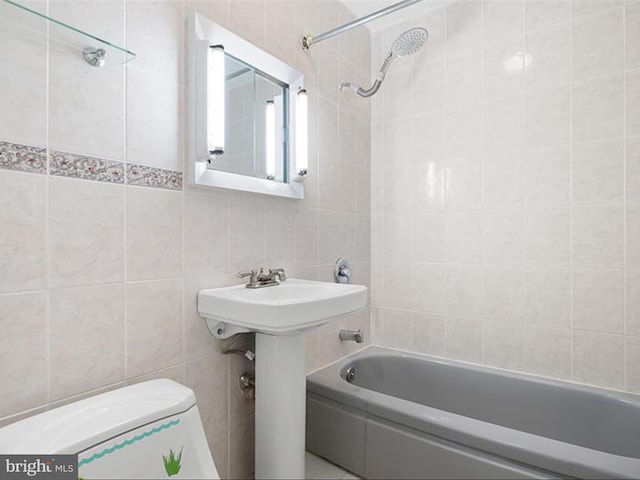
[
  {"x": 65, "y": 164},
  {"x": 25, "y": 158},
  {"x": 144, "y": 176}
]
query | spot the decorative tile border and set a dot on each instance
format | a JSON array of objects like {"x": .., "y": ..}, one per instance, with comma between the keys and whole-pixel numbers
[
  {"x": 24, "y": 158},
  {"x": 66, "y": 164},
  {"x": 154, "y": 177}
]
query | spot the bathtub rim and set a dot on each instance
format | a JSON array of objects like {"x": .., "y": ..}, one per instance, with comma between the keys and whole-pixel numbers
[{"x": 523, "y": 447}]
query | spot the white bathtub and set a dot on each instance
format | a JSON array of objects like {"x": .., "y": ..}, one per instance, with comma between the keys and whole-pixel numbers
[{"x": 413, "y": 416}]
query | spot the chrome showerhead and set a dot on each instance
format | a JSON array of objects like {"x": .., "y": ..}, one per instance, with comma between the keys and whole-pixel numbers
[
  {"x": 406, "y": 44},
  {"x": 409, "y": 42}
]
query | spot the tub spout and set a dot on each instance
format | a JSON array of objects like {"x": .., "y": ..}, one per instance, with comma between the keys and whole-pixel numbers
[{"x": 351, "y": 335}]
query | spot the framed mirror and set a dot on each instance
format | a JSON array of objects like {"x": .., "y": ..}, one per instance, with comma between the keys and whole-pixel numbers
[{"x": 247, "y": 115}]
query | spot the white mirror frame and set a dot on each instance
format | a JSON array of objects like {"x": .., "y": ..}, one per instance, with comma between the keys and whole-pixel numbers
[{"x": 202, "y": 33}]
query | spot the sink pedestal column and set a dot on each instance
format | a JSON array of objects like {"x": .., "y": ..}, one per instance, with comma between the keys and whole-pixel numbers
[{"x": 280, "y": 406}]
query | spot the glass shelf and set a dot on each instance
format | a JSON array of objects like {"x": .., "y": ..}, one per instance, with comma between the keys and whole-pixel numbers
[{"x": 64, "y": 34}]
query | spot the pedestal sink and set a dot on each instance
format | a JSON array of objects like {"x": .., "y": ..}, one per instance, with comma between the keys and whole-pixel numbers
[{"x": 279, "y": 315}]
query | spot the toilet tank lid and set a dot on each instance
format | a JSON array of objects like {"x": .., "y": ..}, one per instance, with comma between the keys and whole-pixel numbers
[{"x": 82, "y": 424}]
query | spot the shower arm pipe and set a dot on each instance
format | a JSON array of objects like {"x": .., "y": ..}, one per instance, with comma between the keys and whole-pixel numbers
[
  {"x": 376, "y": 84},
  {"x": 309, "y": 40}
]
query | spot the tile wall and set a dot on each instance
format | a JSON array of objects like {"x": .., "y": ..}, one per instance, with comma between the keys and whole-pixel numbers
[
  {"x": 505, "y": 189},
  {"x": 103, "y": 242}
]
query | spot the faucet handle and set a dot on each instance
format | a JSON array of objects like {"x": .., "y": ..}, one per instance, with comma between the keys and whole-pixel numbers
[{"x": 252, "y": 274}]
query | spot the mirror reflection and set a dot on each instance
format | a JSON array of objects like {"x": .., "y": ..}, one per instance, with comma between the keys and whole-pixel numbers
[{"x": 255, "y": 124}]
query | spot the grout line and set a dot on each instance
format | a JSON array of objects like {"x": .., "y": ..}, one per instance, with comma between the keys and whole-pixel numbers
[
  {"x": 571, "y": 203},
  {"x": 48, "y": 206},
  {"x": 624, "y": 197}
]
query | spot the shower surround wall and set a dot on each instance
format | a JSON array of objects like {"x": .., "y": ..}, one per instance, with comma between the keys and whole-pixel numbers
[
  {"x": 103, "y": 244},
  {"x": 506, "y": 189}
]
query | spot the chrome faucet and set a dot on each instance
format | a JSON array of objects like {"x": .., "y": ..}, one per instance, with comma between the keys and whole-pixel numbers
[
  {"x": 259, "y": 279},
  {"x": 351, "y": 335}
]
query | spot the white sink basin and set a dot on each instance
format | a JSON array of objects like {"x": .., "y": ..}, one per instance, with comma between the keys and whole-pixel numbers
[{"x": 289, "y": 308}]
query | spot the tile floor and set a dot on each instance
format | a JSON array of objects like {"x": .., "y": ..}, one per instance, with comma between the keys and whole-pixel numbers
[{"x": 318, "y": 468}]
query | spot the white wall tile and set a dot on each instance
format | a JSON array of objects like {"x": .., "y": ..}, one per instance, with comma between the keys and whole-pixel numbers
[
  {"x": 464, "y": 131},
  {"x": 598, "y": 108},
  {"x": 503, "y": 344},
  {"x": 429, "y": 237},
  {"x": 547, "y": 351},
  {"x": 464, "y": 182},
  {"x": 551, "y": 53},
  {"x": 503, "y": 292},
  {"x": 632, "y": 306},
  {"x": 632, "y": 102},
  {"x": 397, "y": 285},
  {"x": 464, "y": 237},
  {"x": 464, "y": 25},
  {"x": 86, "y": 232},
  {"x": 429, "y": 80},
  {"x": 464, "y": 339},
  {"x": 502, "y": 19},
  {"x": 206, "y": 233},
  {"x": 278, "y": 235},
  {"x": 464, "y": 289},
  {"x": 398, "y": 232},
  {"x": 503, "y": 180},
  {"x": 598, "y": 237},
  {"x": 23, "y": 83},
  {"x": 23, "y": 358},
  {"x": 397, "y": 329},
  {"x": 547, "y": 237},
  {"x": 155, "y": 326},
  {"x": 633, "y": 236},
  {"x": 246, "y": 230},
  {"x": 598, "y": 359},
  {"x": 23, "y": 222},
  {"x": 503, "y": 237},
  {"x": 503, "y": 125},
  {"x": 632, "y": 36},
  {"x": 543, "y": 13},
  {"x": 547, "y": 177},
  {"x": 80, "y": 120},
  {"x": 154, "y": 120},
  {"x": 547, "y": 121},
  {"x": 464, "y": 78},
  {"x": 598, "y": 300},
  {"x": 581, "y": 8},
  {"x": 502, "y": 67},
  {"x": 429, "y": 334},
  {"x": 429, "y": 288},
  {"x": 154, "y": 233},
  {"x": 632, "y": 364},
  {"x": 548, "y": 296},
  {"x": 86, "y": 339},
  {"x": 597, "y": 44},
  {"x": 162, "y": 22},
  {"x": 214, "y": 411},
  {"x": 598, "y": 172}
]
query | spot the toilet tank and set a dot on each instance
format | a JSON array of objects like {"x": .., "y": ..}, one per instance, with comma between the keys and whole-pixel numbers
[{"x": 148, "y": 430}]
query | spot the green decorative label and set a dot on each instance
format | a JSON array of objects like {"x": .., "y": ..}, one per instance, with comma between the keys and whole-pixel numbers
[{"x": 172, "y": 463}]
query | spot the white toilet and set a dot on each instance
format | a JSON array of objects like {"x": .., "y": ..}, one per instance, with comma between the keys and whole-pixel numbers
[{"x": 149, "y": 430}]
